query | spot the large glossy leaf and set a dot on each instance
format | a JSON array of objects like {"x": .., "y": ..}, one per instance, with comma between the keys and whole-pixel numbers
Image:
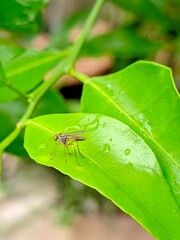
[
  {"x": 21, "y": 16},
  {"x": 144, "y": 97},
  {"x": 25, "y": 69},
  {"x": 12, "y": 112},
  {"x": 117, "y": 162}
]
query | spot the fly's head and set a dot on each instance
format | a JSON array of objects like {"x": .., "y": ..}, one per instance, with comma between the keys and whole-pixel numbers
[{"x": 55, "y": 137}]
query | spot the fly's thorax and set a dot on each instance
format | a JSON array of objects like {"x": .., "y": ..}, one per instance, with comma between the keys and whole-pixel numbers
[{"x": 63, "y": 138}]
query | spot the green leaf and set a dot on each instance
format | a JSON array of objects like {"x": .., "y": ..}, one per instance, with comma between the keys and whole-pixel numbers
[
  {"x": 3, "y": 78},
  {"x": 12, "y": 112},
  {"x": 51, "y": 102},
  {"x": 117, "y": 162},
  {"x": 25, "y": 69},
  {"x": 7, "y": 54},
  {"x": 144, "y": 97},
  {"x": 146, "y": 9},
  {"x": 122, "y": 42},
  {"x": 21, "y": 16},
  {"x": 60, "y": 36}
]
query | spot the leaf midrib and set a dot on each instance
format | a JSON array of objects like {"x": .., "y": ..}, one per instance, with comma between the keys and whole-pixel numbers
[{"x": 29, "y": 66}]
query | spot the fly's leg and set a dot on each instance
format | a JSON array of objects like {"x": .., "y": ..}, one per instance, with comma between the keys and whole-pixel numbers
[
  {"x": 76, "y": 155},
  {"x": 53, "y": 153},
  {"x": 68, "y": 150},
  {"x": 79, "y": 150},
  {"x": 65, "y": 158}
]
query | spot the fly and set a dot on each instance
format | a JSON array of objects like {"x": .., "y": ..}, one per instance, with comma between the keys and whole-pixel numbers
[{"x": 70, "y": 139}]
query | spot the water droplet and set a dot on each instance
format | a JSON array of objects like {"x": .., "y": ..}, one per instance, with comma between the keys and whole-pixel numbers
[
  {"x": 127, "y": 151},
  {"x": 90, "y": 123},
  {"x": 106, "y": 148},
  {"x": 43, "y": 145},
  {"x": 144, "y": 121},
  {"x": 130, "y": 167}
]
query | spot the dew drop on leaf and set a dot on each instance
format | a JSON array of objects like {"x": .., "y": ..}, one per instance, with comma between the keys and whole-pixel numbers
[
  {"x": 106, "y": 148},
  {"x": 127, "y": 151}
]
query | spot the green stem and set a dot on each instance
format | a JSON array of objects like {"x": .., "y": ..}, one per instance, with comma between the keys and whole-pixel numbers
[
  {"x": 57, "y": 72},
  {"x": 80, "y": 76},
  {"x": 87, "y": 27}
]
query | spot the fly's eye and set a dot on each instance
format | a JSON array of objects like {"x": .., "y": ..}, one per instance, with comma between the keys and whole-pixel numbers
[{"x": 55, "y": 137}]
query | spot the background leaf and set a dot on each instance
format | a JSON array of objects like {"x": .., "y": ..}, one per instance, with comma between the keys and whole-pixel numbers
[
  {"x": 22, "y": 15},
  {"x": 146, "y": 9},
  {"x": 60, "y": 35},
  {"x": 11, "y": 113},
  {"x": 25, "y": 69},
  {"x": 164, "y": 13},
  {"x": 2, "y": 76},
  {"x": 144, "y": 97},
  {"x": 119, "y": 43},
  {"x": 116, "y": 162}
]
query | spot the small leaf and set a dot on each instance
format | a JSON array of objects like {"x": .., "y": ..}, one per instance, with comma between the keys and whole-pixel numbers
[
  {"x": 117, "y": 162},
  {"x": 25, "y": 69}
]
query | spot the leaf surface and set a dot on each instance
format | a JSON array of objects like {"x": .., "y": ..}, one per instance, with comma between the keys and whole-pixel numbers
[
  {"x": 117, "y": 162},
  {"x": 147, "y": 9},
  {"x": 120, "y": 43},
  {"x": 144, "y": 97},
  {"x": 25, "y": 69}
]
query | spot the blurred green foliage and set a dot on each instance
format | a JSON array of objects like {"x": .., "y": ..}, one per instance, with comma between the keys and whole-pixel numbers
[{"x": 21, "y": 16}]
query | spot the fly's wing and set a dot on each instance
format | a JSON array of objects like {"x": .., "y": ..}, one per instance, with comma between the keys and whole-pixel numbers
[{"x": 76, "y": 135}]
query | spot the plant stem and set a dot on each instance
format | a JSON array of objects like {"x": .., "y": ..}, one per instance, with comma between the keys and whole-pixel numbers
[
  {"x": 87, "y": 27},
  {"x": 80, "y": 76},
  {"x": 57, "y": 72}
]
